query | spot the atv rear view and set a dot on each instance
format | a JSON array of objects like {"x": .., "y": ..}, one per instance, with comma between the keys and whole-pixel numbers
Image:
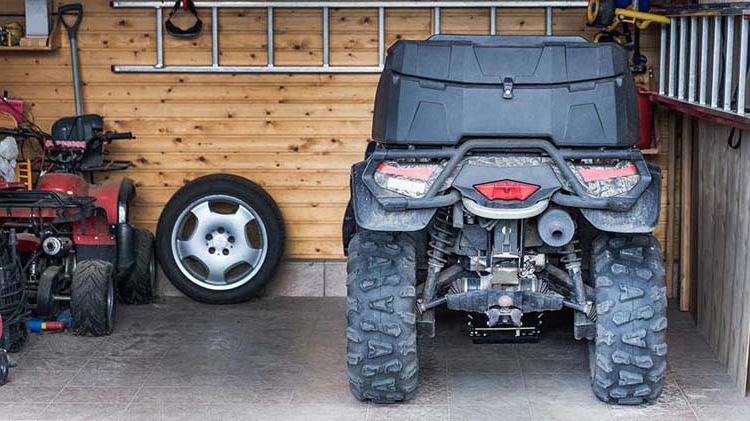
[{"x": 503, "y": 182}]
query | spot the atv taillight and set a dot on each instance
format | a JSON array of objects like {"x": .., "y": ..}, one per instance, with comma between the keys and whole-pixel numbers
[
  {"x": 411, "y": 179},
  {"x": 606, "y": 173},
  {"x": 506, "y": 190},
  {"x": 422, "y": 172},
  {"x": 606, "y": 178}
]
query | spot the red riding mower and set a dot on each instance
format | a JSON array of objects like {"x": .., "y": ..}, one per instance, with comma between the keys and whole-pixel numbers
[{"x": 76, "y": 245}]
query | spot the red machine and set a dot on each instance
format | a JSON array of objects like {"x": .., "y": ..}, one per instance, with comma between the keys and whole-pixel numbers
[{"x": 74, "y": 238}]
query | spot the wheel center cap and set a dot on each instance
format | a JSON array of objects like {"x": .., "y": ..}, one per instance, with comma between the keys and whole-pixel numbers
[{"x": 220, "y": 241}]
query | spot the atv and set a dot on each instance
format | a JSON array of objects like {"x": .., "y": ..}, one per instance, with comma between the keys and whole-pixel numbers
[
  {"x": 74, "y": 239},
  {"x": 503, "y": 182}
]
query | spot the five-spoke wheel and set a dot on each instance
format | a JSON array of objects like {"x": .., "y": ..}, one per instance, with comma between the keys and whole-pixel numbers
[{"x": 220, "y": 238}]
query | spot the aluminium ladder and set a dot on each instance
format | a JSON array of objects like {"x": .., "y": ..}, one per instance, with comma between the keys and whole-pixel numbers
[
  {"x": 697, "y": 70},
  {"x": 325, "y": 6}
]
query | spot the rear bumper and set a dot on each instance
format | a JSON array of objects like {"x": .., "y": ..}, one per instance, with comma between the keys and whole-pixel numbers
[{"x": 579, "y": 198}]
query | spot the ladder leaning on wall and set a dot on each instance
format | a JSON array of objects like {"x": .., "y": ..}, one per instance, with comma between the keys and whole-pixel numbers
[{"x": 325, "y": 6}]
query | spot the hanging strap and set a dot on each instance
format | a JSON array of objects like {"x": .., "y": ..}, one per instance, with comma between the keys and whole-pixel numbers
[{"x": 178, "y": 32}]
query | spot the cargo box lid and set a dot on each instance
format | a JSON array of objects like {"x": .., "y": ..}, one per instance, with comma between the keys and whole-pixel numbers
[{"x": 525, "y": 60}]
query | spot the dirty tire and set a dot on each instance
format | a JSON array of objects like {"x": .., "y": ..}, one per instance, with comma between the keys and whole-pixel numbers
[
  {"x": 4, "y": 367},
  {"x": 381, "y": 321},
  {"x": 92, "y": 301},
  {"x": 629, "y": 356},
  {"x": 139, "y": 287}
]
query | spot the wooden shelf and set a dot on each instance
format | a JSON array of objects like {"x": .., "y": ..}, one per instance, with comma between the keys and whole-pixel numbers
[
  {"x": 650, "y": 151},
  {"x": 50, "y": 44}
]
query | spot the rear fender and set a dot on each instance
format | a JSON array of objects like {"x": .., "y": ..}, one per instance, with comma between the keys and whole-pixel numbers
[
  {"x": 641, "y": 218},
  {"x": 371, "y": 215}
]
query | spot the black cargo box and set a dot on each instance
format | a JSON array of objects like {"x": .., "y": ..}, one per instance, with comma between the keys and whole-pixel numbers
[{"x": 449, "y": 88}]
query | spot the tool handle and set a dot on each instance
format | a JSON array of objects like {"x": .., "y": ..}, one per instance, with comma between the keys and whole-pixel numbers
[
  {"x": 119, "y": 136},
  {"x": 73, "y": 9}
]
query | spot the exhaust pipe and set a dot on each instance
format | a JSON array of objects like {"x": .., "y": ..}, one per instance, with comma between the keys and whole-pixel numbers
[{"x": 556, "y": 227}]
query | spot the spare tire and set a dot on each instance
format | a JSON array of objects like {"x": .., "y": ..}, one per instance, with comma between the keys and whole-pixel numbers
[{"x": 220, "y": 239}]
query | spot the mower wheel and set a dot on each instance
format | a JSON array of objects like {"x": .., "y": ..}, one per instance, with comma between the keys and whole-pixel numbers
[
  {"x": 600, "y": 13},
  {"x": 4, "y": 367},
  {"x": 220, "y": 239},
  {"x": 92, "y": 300},
  {"x": 139, "y": 287}
]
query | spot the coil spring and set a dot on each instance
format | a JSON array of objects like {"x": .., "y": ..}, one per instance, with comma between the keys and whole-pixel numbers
[
  {"x": 592, "y": 314},
  {"x": 572, "y": 253},
  {"x": 441, "y": 234}
]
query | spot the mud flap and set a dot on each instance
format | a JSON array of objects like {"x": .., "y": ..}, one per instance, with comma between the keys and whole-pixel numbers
[
  {"x": 641, "y": 218},
  {"x": 371, "y": 215}
]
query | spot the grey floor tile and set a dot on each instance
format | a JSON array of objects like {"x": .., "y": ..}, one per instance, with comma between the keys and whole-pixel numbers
[
  {"x": 83, "y": 411},
  {"x": 562, "y": 411},
  {"x": 408, "y": 412},
  {"x": 14, "y": 394},
  {"x": 20, "y": 411},
  {"x": 501, "y": 408},
  {"x": 23, "y": 377},
  {"x": 710, "y": 389},
  {"x": 722, "y": 413},
  {"x": 101, "y": 394}
]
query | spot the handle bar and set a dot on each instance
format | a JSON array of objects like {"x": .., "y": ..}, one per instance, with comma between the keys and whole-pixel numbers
[
  {"x": 73, "y": 9},
  {"x": 118, "y": 136}
]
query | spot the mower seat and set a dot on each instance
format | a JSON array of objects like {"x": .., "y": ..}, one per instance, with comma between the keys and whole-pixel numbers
[{"x": 82, "y": 128}]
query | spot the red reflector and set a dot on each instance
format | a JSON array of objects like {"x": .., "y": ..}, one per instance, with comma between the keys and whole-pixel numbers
[
  {"x": 417, "y": 173},
  {"x": 506, "y": 190},
  {"x": 598, "y": 174}
]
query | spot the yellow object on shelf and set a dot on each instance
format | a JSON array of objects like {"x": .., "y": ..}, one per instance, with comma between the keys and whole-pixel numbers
[{"x": 23, "y": 173}]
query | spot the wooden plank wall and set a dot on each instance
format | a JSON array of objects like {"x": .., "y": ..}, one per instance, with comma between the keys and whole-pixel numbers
[
  {"x": 296, "y": 135},
  {"x": 723, "y": 233}
]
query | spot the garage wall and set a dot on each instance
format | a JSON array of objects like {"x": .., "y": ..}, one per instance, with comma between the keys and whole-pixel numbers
[
  {"x": 722, "y": 228},
  {"x": 296, "y": 135}
]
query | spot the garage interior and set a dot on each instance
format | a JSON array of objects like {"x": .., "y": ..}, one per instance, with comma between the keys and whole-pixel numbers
[{"x": 297, "y": 134}]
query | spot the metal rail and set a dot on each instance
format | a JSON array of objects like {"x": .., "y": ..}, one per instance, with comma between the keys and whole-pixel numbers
[
  {"x": 702, "y": 72},
  {"x": 324, "y": 6}
]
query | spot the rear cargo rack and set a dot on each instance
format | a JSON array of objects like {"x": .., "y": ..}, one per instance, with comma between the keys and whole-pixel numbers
[
  {"x": 42, "y": 200},
  {"x": 39, "y": 204}
]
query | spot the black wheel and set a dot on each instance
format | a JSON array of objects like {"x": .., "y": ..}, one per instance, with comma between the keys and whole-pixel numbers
[
  {"x": 601, "y": 13},
  {"x": 140, "y": 286},
  {"x": 49, "y": 286},
  {"x": 220, "y": 239},
  {"x": 381, "y": 334},
  {"x": 92, "y": 298},
  {"x": 13, "y": 300},
  {"x": 629, "y": 356},
  {"x": 4, "y": 367}
]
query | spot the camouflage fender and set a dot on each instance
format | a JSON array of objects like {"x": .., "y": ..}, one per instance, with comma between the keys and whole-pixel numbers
[
  {"x": 371, "y": 215},
  {"x": 641, "y": 218}
]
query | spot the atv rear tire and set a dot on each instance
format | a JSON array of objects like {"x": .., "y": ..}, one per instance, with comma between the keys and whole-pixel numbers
[
  {"x": 629, "y": 356},
  {"x": 92, "y": 300},
  {"x": 139, "y": 287},
  {"x": 381, "y": 334}
]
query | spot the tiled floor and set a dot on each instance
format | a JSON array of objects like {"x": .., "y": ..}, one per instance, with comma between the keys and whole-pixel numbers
[{"x": 283, "y": 359}]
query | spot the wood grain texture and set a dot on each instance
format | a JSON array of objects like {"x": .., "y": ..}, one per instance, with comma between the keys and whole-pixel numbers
[
  {"x": 722, "y": 227},
  {"x": 296, "y": 135}
]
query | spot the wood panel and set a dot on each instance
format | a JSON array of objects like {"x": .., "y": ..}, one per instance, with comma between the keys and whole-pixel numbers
[
  {"x": 723, "y": 234},
  {"x": 296, "y": 135}
]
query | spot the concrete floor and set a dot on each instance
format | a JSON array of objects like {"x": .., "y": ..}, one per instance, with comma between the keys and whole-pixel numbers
[{"x": 283, "y": 359}]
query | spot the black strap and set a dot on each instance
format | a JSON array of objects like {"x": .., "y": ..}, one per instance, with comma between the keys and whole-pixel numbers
[{"x": 178, "y": 32}]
